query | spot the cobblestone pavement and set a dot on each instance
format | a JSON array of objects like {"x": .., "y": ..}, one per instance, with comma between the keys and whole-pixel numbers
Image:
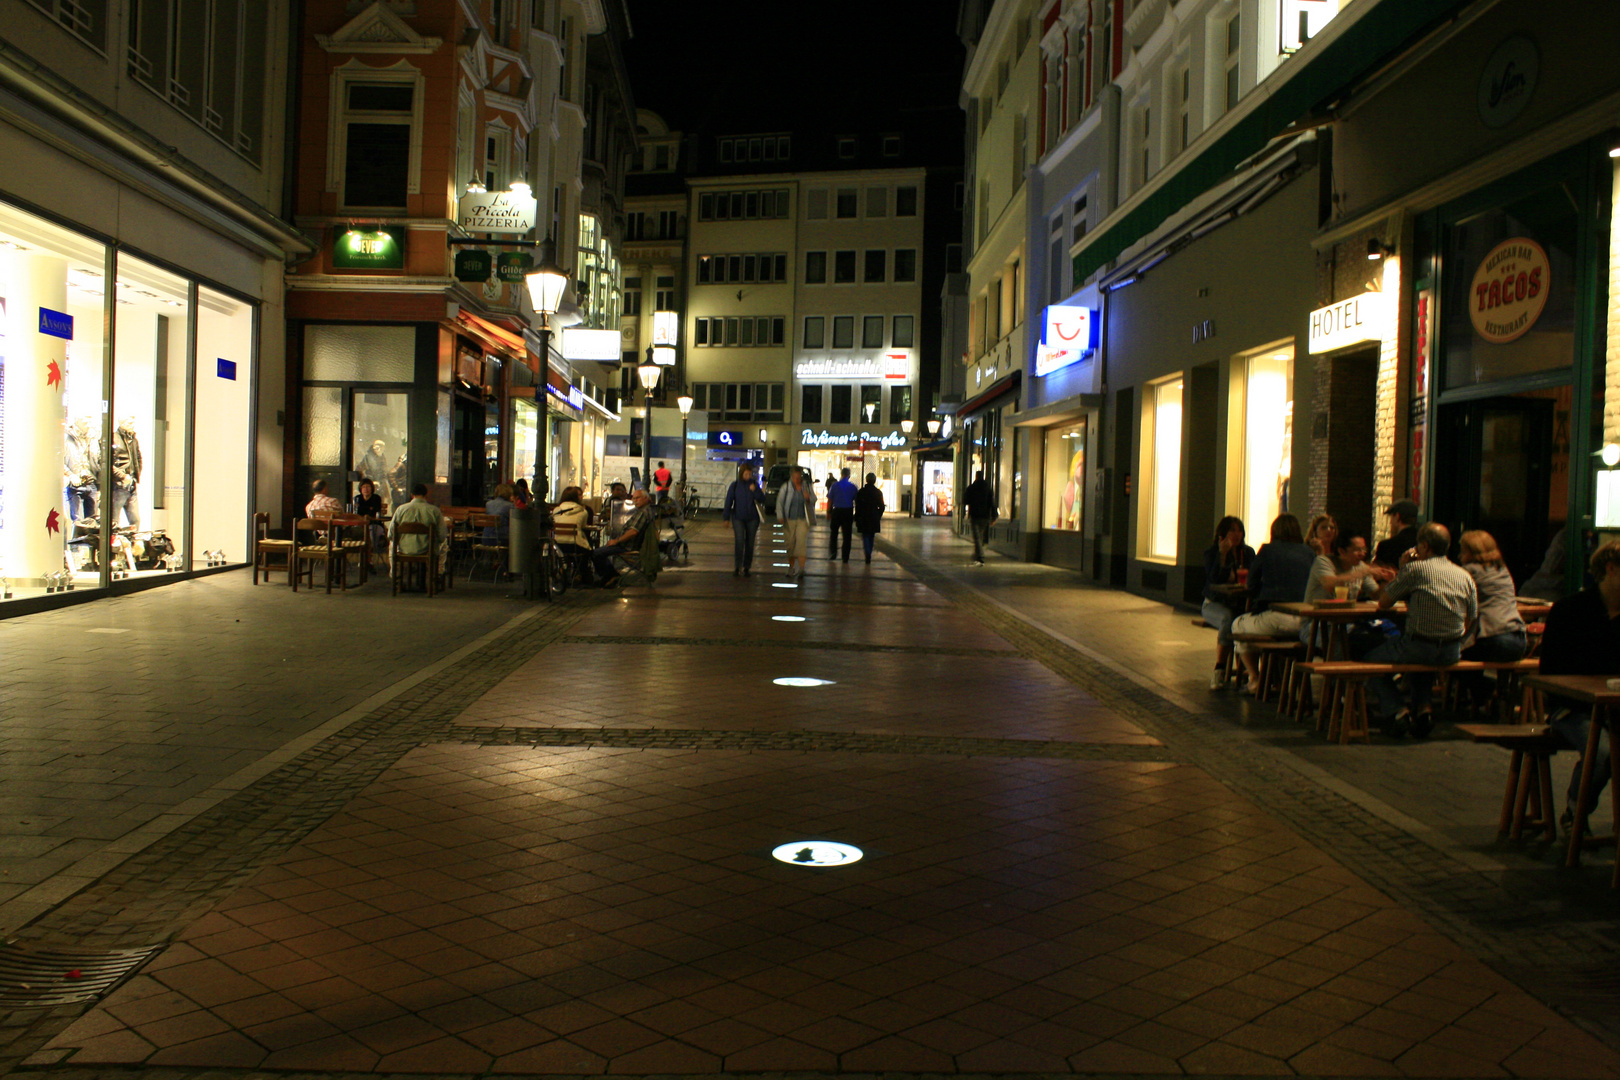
[{"x": 550, "y": 854}]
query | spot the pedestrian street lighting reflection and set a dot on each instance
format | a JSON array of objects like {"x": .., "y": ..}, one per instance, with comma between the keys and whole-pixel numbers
[
  {"x": 788, "y": 618},
  {"x": 817, "y": 853},
  {"x": 799, "y": 680},
  {"x": 775, "y": 565},
  {"x": 784, "y": 585}
]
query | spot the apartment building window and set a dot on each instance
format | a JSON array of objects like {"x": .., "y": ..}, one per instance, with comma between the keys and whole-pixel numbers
[
  {"x": 815, "y": 331},
  {"x": 466, "y": 141},
  {"x": 741, "y": 401},
  {"x": 872, "y": 332},
  {"x": 905, "y": 264},
  {"x": 984, "y": 209},
  {"x": 208, "y": 61},
  {"x": 1020, "y": 149},
  {"x": 745, "y": 148},
  {"x": 743, "y": 205},
  {"x": 377, "y": 140},
  {"x": 497, "y": 158},
  {"x": 661, "y": 160},
  {"x": 537, "y": 15},
  {"x": 846, "y": 204},
  {"x": 665, "y": 293},
  {"x": 1015, "y": 294},
  {"x": 1147, "y": 145},
  {"x": 815, "y": 204},
  {"x": 899, "y": 404},
  {"x": 877, "y": 266},
  {"x": 871, "y": 403},
  {"x": 842, "y": 400},
  {"x": 1233, "y": 52},
  {"x": 502, "y": 13},
  {"x": 634, "y": 225},
  {"x": 846, "y": 148},
  {"x": 905, "y": 201},
  {"x": 669, "y": 224},
  {"x": 993, "y": 309},
  {"x": 632, "y": 296},
  {"x": 1003, "y": 75},
  {"x": 1078, "y": 220},
  {"x": 1059, "y": 254},
  {"x": 815, "y": 268},
  {"x": 844, "y": 267},
  {"x": 891, "y": 146},
  {"x": 904, "y": 329},
  {"x": 1183, "y": 92},
  {"x": 810, "y": 404},
  {"x": 843, "y": 332},
  {"x": 740, "y": 330},
  {"x": 731, "y": 269},
  {"x": 877, "y": 202},
  {"x": 85, "y": 19}
]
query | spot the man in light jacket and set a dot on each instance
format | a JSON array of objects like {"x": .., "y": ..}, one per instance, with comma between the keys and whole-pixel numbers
[{"x": 796, "y": 509}]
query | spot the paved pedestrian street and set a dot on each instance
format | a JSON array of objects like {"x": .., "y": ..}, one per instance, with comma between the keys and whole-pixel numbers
[{"x": 548, "y": 850}]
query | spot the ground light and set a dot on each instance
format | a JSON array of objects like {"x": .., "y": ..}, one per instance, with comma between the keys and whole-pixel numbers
[
  {"x": 788, "y": 618},
  {"x": 798, "y": 680},
  {"x": 784, "y": 585},
  {"x": 817, "y": 853}
]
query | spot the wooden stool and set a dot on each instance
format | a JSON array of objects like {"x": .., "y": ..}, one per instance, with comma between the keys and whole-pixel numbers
[{"x": 1528, "y": 799}]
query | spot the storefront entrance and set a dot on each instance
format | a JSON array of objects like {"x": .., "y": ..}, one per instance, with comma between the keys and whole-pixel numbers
[{"x": 888, "y": 465}]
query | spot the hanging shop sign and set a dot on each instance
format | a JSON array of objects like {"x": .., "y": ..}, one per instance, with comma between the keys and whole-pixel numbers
[
  {"x": 473, "y": 266},
  {"x": 56, "y": 324},
  {"x": 896, "y": 366},
  {"x": 725, "y": 440},
  {"x": 497, "y": 212},
  {"x": 892, "y": 441},
  {"x": 1070, "y": 327},
  {"x": 380, "y": 248},
  {"x": 1509, "y": 290},
  {"x": 579, "y": 343},
  {"x": 1349, "y": 321},
  {"x": 1508, "y": 81},
  {"x": 512, "y": 266},
  {"x": 665, "y": 326}
]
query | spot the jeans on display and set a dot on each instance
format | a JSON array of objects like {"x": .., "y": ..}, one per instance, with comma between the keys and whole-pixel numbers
[
  {"x": 123, "y": 500},
  {"x": 1574, "y": 726},
  {"x": 842, "y": 520},
  {"x": 1407, "y": 649},
  {"x": 81, "y": 501},
  {"x": 1221, "y": 618},
  {"x": 980, "y": 528},
  {"x": 867, "y": 540},
  {"x": 743, "y": 531}
]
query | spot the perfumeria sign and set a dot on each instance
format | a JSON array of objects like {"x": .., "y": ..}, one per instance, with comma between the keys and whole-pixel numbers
[{"x": 892, "y": 441}]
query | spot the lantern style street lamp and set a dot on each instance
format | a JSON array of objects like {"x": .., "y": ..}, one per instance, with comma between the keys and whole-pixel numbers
[
  {"x": 685, "y": 402},
  {"x": 649, "y": 374},
  {"x": 546, "y": 284}
]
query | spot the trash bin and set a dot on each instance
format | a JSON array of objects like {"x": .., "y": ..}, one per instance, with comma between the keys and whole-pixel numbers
[{"x": 523, "y": 540}]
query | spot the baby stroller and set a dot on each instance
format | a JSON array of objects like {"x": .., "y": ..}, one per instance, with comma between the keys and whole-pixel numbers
[{"x": 672, "y": 550}]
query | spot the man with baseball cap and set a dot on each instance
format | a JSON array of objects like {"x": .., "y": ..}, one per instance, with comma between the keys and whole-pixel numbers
[{"x": 1403, "y": 537}]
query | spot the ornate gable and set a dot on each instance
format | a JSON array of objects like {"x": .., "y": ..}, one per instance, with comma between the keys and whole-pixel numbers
[{"x": 377, "y": 30}]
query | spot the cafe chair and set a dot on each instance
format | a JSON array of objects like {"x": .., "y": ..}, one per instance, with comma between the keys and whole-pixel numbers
[
  {"x": 314, "y": 542},
  {"x": 484, "y": 545},
  {"x": 428, "y": 560},
  {"x": 266, "y": 548}
]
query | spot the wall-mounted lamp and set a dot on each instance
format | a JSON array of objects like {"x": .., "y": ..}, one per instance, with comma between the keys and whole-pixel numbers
[
  {"x": 1377, "y": 249},
  {"x": 520, "y": 188},
  {"x": 475, "y": 186},
  {"x": 764, "y": 436},
  {"x": 1610, "y": 455}
]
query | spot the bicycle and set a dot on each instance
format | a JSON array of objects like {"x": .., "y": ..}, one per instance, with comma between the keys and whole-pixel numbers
[{"x": 691, "y": 502}]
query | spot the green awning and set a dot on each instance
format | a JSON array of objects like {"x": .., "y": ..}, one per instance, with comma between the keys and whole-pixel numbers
[{"x": 1387, "y": 27}]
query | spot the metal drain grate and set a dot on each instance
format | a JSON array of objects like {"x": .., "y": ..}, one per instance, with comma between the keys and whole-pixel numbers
[{"x": 38, "y": 978}]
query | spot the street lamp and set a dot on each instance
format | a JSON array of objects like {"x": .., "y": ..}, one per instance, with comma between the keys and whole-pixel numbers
[
  {"x": 685, "y": 403},
  {"x": 906, "y": 425},
  {"x": 546, "y": 284},
  {"x": 933, "y": 427},
  {"x": 649, "y": 373}
]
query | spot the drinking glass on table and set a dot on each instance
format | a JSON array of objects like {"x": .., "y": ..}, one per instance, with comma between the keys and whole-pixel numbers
[{"x": 1341, "y": 592}]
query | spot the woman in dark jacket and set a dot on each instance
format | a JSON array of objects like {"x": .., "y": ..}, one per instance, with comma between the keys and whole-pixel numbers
[
  {"x": 869, "y": 513},
  {"x": 1226, "y": 566},
  {"x": 742, "y": 509}
]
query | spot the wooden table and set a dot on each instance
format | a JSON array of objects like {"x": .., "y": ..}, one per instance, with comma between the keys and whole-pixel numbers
[
  {"x": 1336, "y": 617},
  {"x": 1592, "y": 690}
]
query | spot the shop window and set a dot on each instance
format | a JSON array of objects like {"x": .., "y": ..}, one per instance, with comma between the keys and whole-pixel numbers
[
  {"x": 353, "y": 353},
  {"x": 1063, "y": 492},
  {"x": 221, "y": 448},
  {"x": 1009, "y": 488},
  {"x": 1268, "y": 430},
  {"x": 810, "y": 404},
  {"x": 871, "y": 404},
  {"x": 899, "y": 404},
  {"x": 1162, "y": 451},
  {"x": 842, "y": 405}
]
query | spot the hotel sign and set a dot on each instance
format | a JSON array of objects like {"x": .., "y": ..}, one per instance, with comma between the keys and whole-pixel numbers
[
  {"x": 1509, "y": 290},
  {"x": 1349, "y": 321},
  {"x": 497, "y": 212},
  {"x": 895, "y": 366}
]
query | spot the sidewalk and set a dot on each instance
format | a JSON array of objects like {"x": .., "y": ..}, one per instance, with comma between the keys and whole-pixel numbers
[{"x": 551, "y": 852}]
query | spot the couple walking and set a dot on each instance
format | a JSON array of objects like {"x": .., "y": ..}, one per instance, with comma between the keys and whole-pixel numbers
[{"x": 796, "y": 509}]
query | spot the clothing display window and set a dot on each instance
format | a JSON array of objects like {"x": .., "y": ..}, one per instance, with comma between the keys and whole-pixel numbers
[
  {"x": 525, "y": 439},
  {"x": 938, "y": 488},
  {"x": 100, "y": 444},
  {"x": 1063, "y": 493},
  {"x": 1163, "y": 453},
  {"x": 1268, "y": 437}
]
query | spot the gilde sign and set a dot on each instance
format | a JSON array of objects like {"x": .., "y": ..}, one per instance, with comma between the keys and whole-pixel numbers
[
  {"x": 1509, "y": 290},
  {"x": 497, "y": 212}
]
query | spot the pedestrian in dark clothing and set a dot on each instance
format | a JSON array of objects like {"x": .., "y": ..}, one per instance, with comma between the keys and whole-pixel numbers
[
  {"x": 1403, "y": 514},
  {"x": 840, "y": 514},
  {"x": 979, "y": 503},
  {"x": 743, "y": 508},
  {"x": 869, "y": 510},
  {"x": 1226, "y": 572},
  {"x": 1583, "y": 638}
]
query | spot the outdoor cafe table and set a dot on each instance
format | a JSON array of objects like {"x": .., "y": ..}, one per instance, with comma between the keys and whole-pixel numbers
[
  {"x": 1592, "y": 690},
  {"x": 1335, "y": 617}
]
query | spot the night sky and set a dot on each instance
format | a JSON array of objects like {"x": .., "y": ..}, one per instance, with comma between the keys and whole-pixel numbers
[{"x": 717, "y": 63}]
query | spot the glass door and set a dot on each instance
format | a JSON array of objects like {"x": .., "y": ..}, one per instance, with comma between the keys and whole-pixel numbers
[{"x": 379, "y": 439}]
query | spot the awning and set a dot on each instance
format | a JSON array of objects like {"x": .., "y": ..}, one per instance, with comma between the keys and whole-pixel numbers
[
  {"x": 491, "y": 333},
  {"x": 998, "y": 389},
  {"x": 1299, "y": 86}
]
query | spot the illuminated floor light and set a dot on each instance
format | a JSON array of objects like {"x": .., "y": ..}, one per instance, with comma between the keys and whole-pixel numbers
[
  {"x": 817, "y": 853},
  {"x": 799, "y": 680},
  {"x": 781, "y": 564},
  {"x": 787, "y": 618},
  {"x": 778, "y": 551},
  {"x": 784, "y": 585}
]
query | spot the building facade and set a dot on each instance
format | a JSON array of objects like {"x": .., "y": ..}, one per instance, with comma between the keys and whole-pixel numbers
[{"x": 142, "y": 243}]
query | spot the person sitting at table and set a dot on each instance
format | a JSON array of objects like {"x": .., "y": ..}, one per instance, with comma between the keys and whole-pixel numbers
[
  {"x": 1500, "y": 636},
  {"x": 499, "y": 506},
  {"x": 1281, "y": 571},
  {"x": 1583, "y": 638},
  {"x": 367, "y": 503},
  {"x": 321, "y": 504},
  {"x": 1223, "y": 588},
  {"x": 571, "y": 510},
  {"x": 1442, "y": 605},
  {"x": 1319, "y": 537},
  {"x": 628, "y": 539},
  {"x": 1403, "y": 535},
  {"x": 520, "y": 494},
  {"x": 420, "y": 512},
  {"x": 1343, "y": 566}
]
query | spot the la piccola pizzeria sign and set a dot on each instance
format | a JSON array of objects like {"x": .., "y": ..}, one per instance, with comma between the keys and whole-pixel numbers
[{"x": 1509, "y": 290}]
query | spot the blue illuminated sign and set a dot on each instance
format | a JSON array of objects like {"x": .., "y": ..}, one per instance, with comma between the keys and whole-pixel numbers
[
  {"x": 55, "y": 323},
  {"x": 227, "y": 369},
  {"x": 725, "y": 440}
]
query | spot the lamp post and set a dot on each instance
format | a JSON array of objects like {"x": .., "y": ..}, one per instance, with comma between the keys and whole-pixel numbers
[
  {"x": 546, "y": 284},
  {"x": 649, "y": 373},
  {"x": 685, "y": 402}
]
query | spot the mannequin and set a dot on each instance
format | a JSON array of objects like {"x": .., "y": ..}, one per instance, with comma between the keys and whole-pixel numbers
[
  {"x": 399, "y": 479},
  {"x": 81, "y": 469},
  {"x": 126, "y": 463}
]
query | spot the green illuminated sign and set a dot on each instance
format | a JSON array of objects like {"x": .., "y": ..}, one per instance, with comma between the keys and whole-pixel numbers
[
  {"x": 380, "y": 248},
  {"x": 472, "y": 266},
  {"x": 513, "y": 265}
]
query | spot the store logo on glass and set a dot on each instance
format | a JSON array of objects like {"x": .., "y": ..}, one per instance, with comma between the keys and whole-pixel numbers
[
  {"x": 1509, "y": 290},
  {"x": 56, "y": 323}
]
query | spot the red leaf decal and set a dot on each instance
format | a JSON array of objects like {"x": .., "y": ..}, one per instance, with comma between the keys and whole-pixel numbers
[
  {"x": 53, "y": 522},
  {"x": 53, "y": 374}
]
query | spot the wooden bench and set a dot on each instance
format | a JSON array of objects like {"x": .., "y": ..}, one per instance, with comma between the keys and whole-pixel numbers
[
  {"x": 1276, "y": 653},
  {"x": 1344, "y": 691},
  {"x": 1527, "y": 789},
  {"x": 1509, "y": 688}
]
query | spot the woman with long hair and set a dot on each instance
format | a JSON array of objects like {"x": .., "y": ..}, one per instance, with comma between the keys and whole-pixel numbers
[
  {"x": 1280, "y": 573},
  {"x": 1320, "y": 535},
  {"x": 1226, "y": 568}
]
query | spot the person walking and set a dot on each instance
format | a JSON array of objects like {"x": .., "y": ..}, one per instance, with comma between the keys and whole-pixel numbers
[
  {"x": 662, "y": 478},
  {"x": 869, "y": 510},
  {"x": 840, "y": 514},
  {"x": 796, "y": 509},
  {"x": 979, "y": 504},
  {"x": 743, "y": 508}
]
